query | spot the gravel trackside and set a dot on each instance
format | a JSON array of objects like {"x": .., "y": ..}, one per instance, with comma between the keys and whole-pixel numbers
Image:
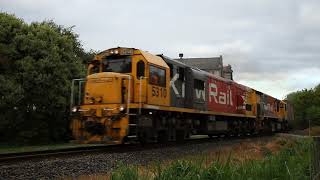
[{"x": 103, "y": 162}]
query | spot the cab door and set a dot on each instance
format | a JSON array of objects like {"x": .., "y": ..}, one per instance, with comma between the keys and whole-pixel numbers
[
  {"x": 158, "y": 85},
  {"x": 140, "y": 81}
]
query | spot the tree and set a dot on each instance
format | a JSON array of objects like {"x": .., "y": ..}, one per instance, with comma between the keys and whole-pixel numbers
[
  {"x": 306, "y": 104},
  {"x": 37, "y": 63}
]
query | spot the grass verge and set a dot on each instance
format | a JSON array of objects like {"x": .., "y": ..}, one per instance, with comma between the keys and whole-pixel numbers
[{"x": 291, "y": 162}]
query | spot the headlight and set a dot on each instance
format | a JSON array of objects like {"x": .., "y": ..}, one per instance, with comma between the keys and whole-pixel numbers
[
  {"x": 74, "y": 109},
  {"x": 121, "y": 108},
  {"x": 116, "y": 51},
  {"x": 92, "y": 100}
]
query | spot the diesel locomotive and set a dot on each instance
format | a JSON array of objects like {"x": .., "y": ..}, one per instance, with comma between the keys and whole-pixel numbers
[{"x": 130, "y": 94}]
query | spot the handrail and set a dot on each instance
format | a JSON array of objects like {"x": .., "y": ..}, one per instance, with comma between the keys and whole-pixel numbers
[
  {"x": 72, "y": 90},
  {"x": 80, "y": 90},
  {"x": 140, "y": 92},
  {"x": 129, "y": 90}
]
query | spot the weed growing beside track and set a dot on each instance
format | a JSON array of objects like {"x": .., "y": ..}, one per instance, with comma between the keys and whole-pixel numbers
[{"x": 291, "y": 162}]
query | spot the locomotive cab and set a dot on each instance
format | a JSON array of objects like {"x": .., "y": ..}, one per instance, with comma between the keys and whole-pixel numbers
[{"x": 119, "y": 83}]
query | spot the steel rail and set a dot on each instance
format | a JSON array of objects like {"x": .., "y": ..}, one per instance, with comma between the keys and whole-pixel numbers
[{"x": 6, "y": 157}]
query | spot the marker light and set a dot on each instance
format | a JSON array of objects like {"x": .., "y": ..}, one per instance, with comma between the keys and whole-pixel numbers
[{"x": 74, "y": 109}]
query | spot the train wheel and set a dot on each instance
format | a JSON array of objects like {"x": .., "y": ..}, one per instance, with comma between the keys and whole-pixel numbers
[{"x": 143, "y": 138}]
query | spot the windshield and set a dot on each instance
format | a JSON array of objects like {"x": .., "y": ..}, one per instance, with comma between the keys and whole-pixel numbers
[
  {"x": 94, "y": 67},
  {"x": 120, "y": 64}
]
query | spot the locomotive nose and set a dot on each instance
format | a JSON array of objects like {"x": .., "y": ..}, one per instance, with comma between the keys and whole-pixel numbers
[{"x": 103, "y": 88}]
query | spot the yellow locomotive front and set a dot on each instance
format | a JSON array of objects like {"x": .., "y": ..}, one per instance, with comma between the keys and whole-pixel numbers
[{"x": 114, "y": 89}]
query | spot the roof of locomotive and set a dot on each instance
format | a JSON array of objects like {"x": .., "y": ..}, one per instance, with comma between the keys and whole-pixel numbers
[
  {"x": 175, "y": 61},
  {"x": 154, "y": 59},
  {"x": 157, "y": 59},
  {"x": 131, "y": 51},
  {"x": 207, "y": 64},
  {"x": 167, "y": 59}
]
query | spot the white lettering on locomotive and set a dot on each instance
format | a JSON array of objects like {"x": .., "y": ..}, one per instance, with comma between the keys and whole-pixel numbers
[
  {"x": 173, "y": 86},
  {"x": 243, "y": 105},
  {"x": 213, "y": 93},
  {"x": 222, "y": 98},
  {"x": 183, "y": 89},
  {"x": 200, "y": 94},
  {"x": 219, "y": 97}
]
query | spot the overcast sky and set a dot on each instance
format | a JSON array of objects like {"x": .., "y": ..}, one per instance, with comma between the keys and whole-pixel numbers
[{"x": 272, "y": 45}]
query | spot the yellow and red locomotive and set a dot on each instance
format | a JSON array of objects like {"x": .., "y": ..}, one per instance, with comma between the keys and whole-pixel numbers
[{"x": 132, "y": 94}]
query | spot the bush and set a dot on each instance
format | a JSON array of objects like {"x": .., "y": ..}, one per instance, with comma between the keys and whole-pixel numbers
[
  {"x": 37, "y": 63},
  {"x": 306, "y": 106}
]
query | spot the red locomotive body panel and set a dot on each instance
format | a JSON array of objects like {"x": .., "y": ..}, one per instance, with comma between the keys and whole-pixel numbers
[{"x": 225, "y": 96}]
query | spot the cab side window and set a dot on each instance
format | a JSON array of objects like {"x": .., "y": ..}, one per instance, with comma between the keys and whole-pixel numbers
[
  {"x": 157, "y": 76},
  {"x": 181, "y": 73},
  {"x": 140, "y": 69},
  {"x": 94, "y": 69},
  {"x": 248, "y": 107},
  {"x": 198, "y": 84}
]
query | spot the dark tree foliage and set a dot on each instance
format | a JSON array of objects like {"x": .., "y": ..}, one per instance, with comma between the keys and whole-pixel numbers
[
  {"x": 306, "y": 104},
  {"x": 37, "y": 63}
]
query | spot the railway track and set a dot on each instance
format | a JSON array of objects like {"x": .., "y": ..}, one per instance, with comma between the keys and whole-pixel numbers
[
  {"x": 11, "y": 157},
  {"x": 34, "y": 155},
  {"x": 71, "y": 163}
]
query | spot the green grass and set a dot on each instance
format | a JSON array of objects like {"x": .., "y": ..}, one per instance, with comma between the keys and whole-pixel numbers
[
  {"x": 127, "y": 172},
  {"x": 290, "y": 163}
]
